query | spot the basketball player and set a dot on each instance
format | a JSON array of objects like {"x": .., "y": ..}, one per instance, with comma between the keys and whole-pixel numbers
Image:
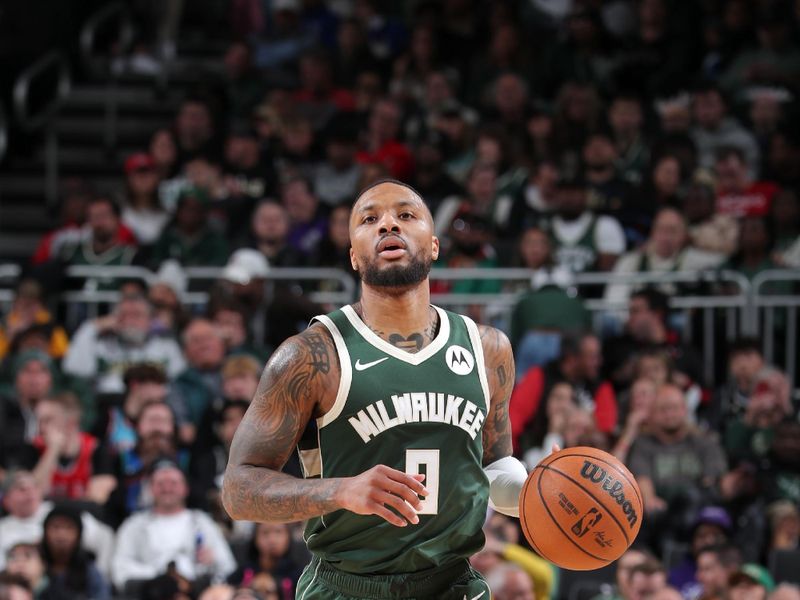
[{"x": 410, "y": 408}]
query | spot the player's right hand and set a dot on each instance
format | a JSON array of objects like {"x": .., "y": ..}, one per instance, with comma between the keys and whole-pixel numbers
[{"x": 381, "y": 487}]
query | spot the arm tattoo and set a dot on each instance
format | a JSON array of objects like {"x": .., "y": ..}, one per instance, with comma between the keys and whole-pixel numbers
[
  {"x": 294, "y": 384},
  {"x": 500, "y": 370}
]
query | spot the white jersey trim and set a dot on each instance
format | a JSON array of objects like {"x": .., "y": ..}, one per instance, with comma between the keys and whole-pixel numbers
[
  {"x": 477, "y": 348},
  {"x": 413, "y": 359},
  {"x": 346, "y": 377}
]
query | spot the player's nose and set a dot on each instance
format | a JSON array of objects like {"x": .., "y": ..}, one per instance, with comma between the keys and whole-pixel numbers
[{"x": 388, "y": 222}]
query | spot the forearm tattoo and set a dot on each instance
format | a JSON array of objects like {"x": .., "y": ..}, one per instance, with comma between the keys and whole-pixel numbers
[
  {"x": 500, "y": 372},
  {"x": 294, "y": 381}
]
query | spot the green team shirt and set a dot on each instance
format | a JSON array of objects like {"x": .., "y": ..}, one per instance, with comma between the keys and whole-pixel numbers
[{"x": 417, "y": 413}]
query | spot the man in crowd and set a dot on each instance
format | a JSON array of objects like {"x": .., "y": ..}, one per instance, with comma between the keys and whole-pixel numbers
[
  {"x": 103, "y": 348},
  {"x": 169, "y": 533}
]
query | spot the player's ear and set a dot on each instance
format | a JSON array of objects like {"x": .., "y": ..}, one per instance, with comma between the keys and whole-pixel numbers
[
  {"x": 353, "y": 262},
  {"x": 434, "y": 247}
]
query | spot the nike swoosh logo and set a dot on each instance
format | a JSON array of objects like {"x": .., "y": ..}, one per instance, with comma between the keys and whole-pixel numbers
[
  {"x": 475, "y": 597},
  {"x": 363, "y": 366}
]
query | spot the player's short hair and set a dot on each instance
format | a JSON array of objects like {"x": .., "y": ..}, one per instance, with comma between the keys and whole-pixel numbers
[{"x": 387, "y": 180}]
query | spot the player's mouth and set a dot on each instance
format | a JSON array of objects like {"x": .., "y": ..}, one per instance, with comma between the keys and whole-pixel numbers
[{"x": 391, "y": 247}]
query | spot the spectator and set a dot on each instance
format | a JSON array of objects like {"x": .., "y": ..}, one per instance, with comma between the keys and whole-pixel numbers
[
  {"x": 75, "y": 196},
  {"x": 101, "y": 348},
  {"x": 646, "y": 330},
  {"x": 715, "y": 565},
  {"x": 546, "y": 312},
  {"x": 712, "y": 527},
  {"x": 163, "y": 149},
  {"x": 665, "y": 251},
  {"x": 781, "y": 474},
  {"x": 784, "y": 525},
  {"x": 608, "y": 192},
  {"x": 201, "y": 382},
  {"x": 189, "y": 238},
  {"x": 28, "y": 309},
  {"x": 208, "y": 463},
  {"x": 745, "y": 362},
  {"x": 25, "y": 514},
  {"x": 754, "y": 255},
  {"x": 738, "y": 193},
  {"x": 144, "y": 383},
  {"x": 143, "y": 213},
  {"x": 165, "y": 295},
  {"x": 351, "y": 55},
  {"x": 750, "y": 582},
  {"x": 510, "y": 582},
  {"x": 430, "y": 179},
  {"x": 245, "y": 86},
  {"x": 571, "y": 427},
  {"x": 149, "y": 541},
  {"x": 626, "y": 118},
  {"x": 269, "y": 234},
  {"x": 194, "y": 129},
  {"x": 34, "y": 375},
  {"x": 645, "y": 580},
  {"x": 539, "y": 199},
  {"x": 271, "y": 551},
  {"x": 25, "y": 560},
  {"x": 709, "y": 230},
  {"x": 71, "y": 572},
  {"x": 156, "y": 438},
  {"x": 15, "y": 587},
  {"x": 100, "y": 243},
  {"x": 632, "y": 557},
  {"x": 713, "y": 130},
  {"x": 382, "y": 143},
  {"x": 638, "y": 416},
  {"x": 578, "y": 364},
  {"x": 785, "y": 591},
  {"x": 336, "y": 179},
  {"x": 231, "y": 321},
  {"x": 695, "y": 465},
  {"x": 306, "y": 223},
  {"x": 747, "y": 437},
  {"x": 334, "y": 248},
  {"x": 583, "y": 241},
  {"x": 665, "y": 181},
  {"x": 785, "y": 225},
  {"x": 71, "y": 464},
  {"x": 318, "y": 97}
]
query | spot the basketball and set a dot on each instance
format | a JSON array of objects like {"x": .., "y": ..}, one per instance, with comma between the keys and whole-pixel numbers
[{"x": 580, "y": 508}]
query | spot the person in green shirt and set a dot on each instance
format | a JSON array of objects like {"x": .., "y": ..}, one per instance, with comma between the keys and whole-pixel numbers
[{"x": 189, "y": 239}]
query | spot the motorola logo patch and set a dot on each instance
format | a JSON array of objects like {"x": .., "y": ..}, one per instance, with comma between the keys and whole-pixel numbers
[{"x": 459, "y": 360}]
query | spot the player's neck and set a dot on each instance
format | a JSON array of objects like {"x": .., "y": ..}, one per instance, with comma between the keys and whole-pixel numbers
[{"x": 404, "y": 318}]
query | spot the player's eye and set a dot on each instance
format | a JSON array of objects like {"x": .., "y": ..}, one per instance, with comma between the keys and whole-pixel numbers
[
  {"x": 369, "y": 219},
  {"x": 406, "y": 215}
]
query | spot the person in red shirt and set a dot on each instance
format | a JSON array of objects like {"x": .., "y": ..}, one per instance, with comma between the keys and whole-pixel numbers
[
  {"x": 579, "y": 364},
  {"x": 737, "y": 194},
  {"x": 382, "y": 145},
  {"x": 72, "y": 464}
]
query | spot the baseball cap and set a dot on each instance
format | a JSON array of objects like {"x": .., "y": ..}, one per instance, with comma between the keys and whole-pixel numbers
[
  {"x": 755, "y": 573},
  {"x": 139, "y": 162},
  {"x": 245, "y": 265},
  {"x": 713, "y": 515}
]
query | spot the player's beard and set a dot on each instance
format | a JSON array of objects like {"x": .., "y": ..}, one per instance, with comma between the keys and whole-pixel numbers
[{"x": 397, "y": 276}]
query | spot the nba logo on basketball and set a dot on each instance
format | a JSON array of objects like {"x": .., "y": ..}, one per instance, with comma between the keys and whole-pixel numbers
[{"x": 586, "y": 522}]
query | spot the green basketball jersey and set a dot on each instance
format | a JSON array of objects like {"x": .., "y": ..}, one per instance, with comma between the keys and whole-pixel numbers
[{"x": 417, "y": 413}]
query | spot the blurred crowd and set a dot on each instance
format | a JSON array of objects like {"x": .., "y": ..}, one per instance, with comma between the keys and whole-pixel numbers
[{"x": 566, "y": 137}]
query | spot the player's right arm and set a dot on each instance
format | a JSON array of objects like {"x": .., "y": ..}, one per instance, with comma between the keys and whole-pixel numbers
[{"x": 299, "y": 383}]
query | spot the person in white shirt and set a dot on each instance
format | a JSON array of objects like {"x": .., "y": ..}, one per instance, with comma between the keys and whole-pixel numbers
[
  {"x": 25, "y": 516},
  {"x": 150, "y": 541},
  {"x": 583, "y": 240},
  {"x": 666, "y": 251}
]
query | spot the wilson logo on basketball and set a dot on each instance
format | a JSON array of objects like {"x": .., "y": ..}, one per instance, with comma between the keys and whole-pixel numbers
[{"x": 594, "y": 473}]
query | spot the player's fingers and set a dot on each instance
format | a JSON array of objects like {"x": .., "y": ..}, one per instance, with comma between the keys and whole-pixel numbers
[
  {"x": 408, "y": 480},
  {"x": 405, "y": 492},
  {"x": 380, "y": 510},
  {"x": 555, "y": 448},
  {"x": 399, "y": 505}
]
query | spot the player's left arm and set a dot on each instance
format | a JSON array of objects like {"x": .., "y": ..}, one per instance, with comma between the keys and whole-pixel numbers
[{"x": 505, "y": 473}]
